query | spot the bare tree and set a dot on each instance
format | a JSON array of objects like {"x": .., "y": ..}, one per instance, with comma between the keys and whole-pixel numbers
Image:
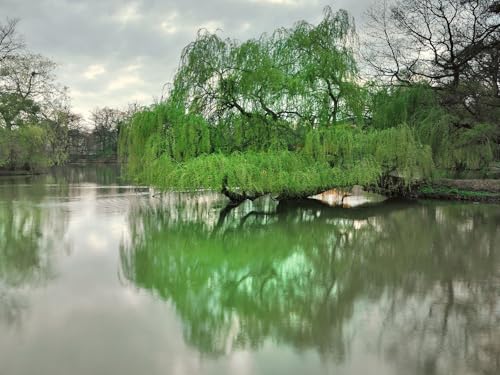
[
  {"x": 435, "y": 40},
  {"x": 10, "y": 41},
  {"x": 30, "y": 76}
]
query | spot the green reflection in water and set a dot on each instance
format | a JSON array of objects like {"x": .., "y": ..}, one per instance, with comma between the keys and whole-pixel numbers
[
  {"x": 28, "y": 233},
  {"x": 410, "y": 288},
  {"x": 296, "y": 274},
  {"x": 32, "y": 226}
]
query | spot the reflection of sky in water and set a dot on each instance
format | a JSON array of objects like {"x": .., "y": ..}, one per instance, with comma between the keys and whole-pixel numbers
[{"x": 83, "y": 316}]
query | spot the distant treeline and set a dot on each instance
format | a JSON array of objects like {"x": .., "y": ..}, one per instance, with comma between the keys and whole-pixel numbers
[{"x": 99, "y": 141}]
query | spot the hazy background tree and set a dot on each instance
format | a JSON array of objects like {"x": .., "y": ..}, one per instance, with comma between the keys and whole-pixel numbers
[{"x": 105, "y": 125}]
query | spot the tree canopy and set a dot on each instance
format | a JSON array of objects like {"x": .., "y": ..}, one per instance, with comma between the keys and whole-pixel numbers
[
  {"x": 304, "y": 74},
  {"x": 281, "y": 114}
]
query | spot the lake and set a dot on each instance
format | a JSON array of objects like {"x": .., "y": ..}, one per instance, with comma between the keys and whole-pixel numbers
[{"x": 98, "y": 276}]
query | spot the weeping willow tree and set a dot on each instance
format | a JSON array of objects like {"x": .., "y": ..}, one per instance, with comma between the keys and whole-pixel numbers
[
  {"x": 332, "y": 157},
  {"x": 282, "y": 114}
]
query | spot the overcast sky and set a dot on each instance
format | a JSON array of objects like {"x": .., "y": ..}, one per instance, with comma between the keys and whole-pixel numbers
[{"x": 112, "y": 52}]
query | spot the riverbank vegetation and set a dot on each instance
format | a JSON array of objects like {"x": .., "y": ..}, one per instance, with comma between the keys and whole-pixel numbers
[{"x": 291, "y": 113}]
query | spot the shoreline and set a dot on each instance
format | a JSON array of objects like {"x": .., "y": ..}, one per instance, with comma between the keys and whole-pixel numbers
[
  {"x": 4, "y": 173},
  {"x": 459, "y": 190},
  {"x": 472, "y": 190},
  {"x": 457, "y": 195}
]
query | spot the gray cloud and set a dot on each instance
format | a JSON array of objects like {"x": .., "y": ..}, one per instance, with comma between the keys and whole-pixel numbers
[{"x": 111, "y": 52}]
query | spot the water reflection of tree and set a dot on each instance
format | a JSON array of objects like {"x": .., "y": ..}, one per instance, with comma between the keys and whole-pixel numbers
[
  {"x": 28, "y": 233},
  {"x": 294, "y": 276},
  {"x": 445, "y": 312},
  {"x": 100, "y": 174}
]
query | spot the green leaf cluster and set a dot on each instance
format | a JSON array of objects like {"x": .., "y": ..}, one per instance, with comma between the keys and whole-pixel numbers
[{"x": 457, "y": 142}]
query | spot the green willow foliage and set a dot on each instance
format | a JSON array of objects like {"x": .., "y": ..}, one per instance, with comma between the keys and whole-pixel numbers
[
  {"x": 282, "y": 114},
  {"x": 391, "y": 150},
  {"x": 165, "y": 131},
  {"x": 303, "y": 74},
  {"x": 455, "y": 144},
  {"x": 179, "y": 155}
]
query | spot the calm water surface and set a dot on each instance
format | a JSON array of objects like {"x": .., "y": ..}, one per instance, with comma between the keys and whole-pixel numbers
[{"x": 100, "y": 277}]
